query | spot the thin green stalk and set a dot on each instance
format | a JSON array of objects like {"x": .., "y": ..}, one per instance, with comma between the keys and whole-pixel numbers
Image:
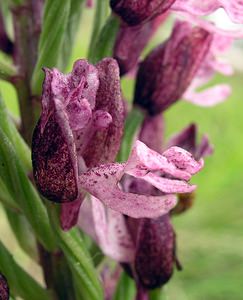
[
  {"x": 26, "y": 109},
  {"x": 158, "y": 294},
  {"x": 101, "y": 13},
  {"x": 133, "y": 123},
  {"x": 104, "y": 44},
  {"x": 125, "y": 289},
  {"x": 24, "y": 44},
  {"x": 57, "y": 274}
]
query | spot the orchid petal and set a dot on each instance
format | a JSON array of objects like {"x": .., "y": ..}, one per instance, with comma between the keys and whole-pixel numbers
[
  {"x": 102, "y": 182},
  {"x": 86, "y": 219},
  {"x": 54, "y": 158},
  {"x": 205, "y": 148},
  {"x": 183, "y": 160},
  {"x": 143, "y": 159},
  {"x": 70, "y": 213},
  {"x": 79, "y": 113},
  {"x": 105, "y": 145},
  {"x": 234, "y": 8},
  {"x": 168, "y": 186},
  {"x": 185, "y": 139},
  {"x": 210, "y": 96},
  {"x": 112, "y": 234},
  {"x": 82, "y": 69},
  {"x": 209, "y": 26}
]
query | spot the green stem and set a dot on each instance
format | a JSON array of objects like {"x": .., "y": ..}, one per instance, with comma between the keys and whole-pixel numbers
[
  {"x": 132, "y": 124},
  {"x": 158, "y": 294},
  {"x": 99, "y": 20},
  {"x": 25, "y": 42},
  {"x": 26, "y": 106},
  {"x": 125, "y": 289},
  {"x": 27, "y": 25},
  {"x": 104, "y": 44},
  {"x": 57, "y": 274}
]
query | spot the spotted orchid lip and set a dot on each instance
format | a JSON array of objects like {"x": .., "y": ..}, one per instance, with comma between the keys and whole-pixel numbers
[{"x": 144, "y": 163}]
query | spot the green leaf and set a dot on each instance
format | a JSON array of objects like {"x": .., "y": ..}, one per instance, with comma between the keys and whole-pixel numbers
[
  {"x": 14, "y": 136},
  {"x": 6, "y": 198},
  {"x": 71, "y": 31},
  {"x": 20, "y": 283},
  {"x": 23, "y": 192},
  {"x": 133, "y": 123},
  {"x": 55, "y": 22},
  {"x": 104, "y": 44},
  {"x": 125, "y": 289},
  {"x": 23, "y": 233},
  {"x": 6, "y": 71},
  {"x": 79, "y": 261}
]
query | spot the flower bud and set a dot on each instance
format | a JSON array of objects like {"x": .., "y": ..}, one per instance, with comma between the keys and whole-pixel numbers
[
  {"x": 4, "y": 289},
  {"x": 155, "y": 252},
  {"x": 80, "y": 111},
  {"x": 81, "y": 125},
  {"x": 168, "y": 70},
  {"x": 136, "y": 12}
]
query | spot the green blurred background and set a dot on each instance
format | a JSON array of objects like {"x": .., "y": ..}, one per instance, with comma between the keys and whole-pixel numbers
[{"x": 210, "y": 239}]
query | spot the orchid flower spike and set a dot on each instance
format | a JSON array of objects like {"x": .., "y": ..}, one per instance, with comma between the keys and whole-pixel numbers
[{"x": 78, "y": 136}]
